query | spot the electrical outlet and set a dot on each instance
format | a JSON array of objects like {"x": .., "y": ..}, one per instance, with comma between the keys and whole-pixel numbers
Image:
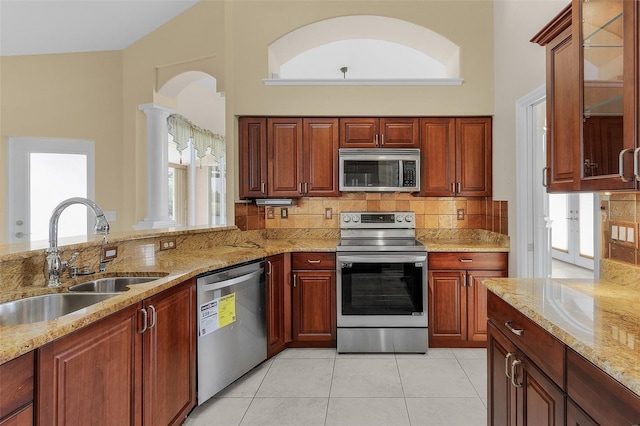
[
  {"x": 270, "y": 214},
  {"x": 109, "y": 252},
  {"x": 460, "y": 214},
  {"x": 167, "y": 244},
  {"x": 284, "y": 212},
  {"x": 328, "y": 213}
]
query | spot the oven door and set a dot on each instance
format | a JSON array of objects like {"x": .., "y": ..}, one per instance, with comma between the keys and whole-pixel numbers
[{"x": 381, "y": 289}]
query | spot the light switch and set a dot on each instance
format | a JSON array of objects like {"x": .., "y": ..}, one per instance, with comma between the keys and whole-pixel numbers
[
  {"x": 631, "y": 235},
  {"x": 622, "y": 233},
  {"x": 614, "y": 232}
]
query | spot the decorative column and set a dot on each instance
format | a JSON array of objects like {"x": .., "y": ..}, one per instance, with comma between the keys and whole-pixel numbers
[{"x": 157, "y": 168}]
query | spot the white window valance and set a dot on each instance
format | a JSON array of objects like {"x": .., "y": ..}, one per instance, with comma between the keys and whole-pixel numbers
[{"x": 182, "y": 130}]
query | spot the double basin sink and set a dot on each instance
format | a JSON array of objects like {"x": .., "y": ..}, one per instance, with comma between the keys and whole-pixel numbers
[{"x": 50, "y": 306}]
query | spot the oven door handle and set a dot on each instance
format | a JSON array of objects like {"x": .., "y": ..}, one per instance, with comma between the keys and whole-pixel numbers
[{"x": 386, "y": 258}]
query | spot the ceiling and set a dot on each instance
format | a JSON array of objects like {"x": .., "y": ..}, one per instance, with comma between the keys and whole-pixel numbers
[{"x": 31, "y": 27}]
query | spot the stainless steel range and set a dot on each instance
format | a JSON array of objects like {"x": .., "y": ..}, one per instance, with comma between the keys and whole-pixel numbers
[{"x": 381, "y": 282}]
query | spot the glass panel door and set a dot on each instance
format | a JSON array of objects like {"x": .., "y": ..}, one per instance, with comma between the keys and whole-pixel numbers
[{"x": 572, "y": 225}]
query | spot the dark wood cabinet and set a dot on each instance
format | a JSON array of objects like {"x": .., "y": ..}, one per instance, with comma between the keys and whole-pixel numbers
[
  {"x": 371, "y": 132},
  {"x": 134, "y": 367},
  {"x": 93, "y": 373},
  {"x": 592, "y": 51},
  {"x": 278, "y": 303},
  {"x": 457, "y": 300},
  {"x": 284, "y": 147},
  {"x": 169, "y": 361},
  {"x": 519, "y": 392},
  {"x": 288, "y": 157},
  {"x": 17, "y": 391},
  {"x": 577, "y": 417},
  {"x": 456, "y": 156},
  {"x": 253, "y": 157},
  {"x": 314, "y": 299}
]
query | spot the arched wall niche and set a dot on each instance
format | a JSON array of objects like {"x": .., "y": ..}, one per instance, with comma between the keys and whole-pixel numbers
[{"x": 422, "y": 41}]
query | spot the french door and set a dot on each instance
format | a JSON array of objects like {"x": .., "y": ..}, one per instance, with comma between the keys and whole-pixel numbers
[
  {"x": 42, "y": 173},
  {"x": 572, "y": 228}
]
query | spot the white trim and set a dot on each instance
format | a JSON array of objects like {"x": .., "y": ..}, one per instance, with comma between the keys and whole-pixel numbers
[
  {"x": 363, "y": 82},
  {"x": 524, "y": 181}
]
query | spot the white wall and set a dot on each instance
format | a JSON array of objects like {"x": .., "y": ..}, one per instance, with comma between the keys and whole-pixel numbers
[{"x": 519, "y": 68}]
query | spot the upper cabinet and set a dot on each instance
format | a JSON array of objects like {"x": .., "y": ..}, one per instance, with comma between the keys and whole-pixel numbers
[
  {"x": 592, "y": 96},
  {"x": 369, "y": 132},
  {"x": 456, "y": 157},
  {"x": 288, "y": 157}
]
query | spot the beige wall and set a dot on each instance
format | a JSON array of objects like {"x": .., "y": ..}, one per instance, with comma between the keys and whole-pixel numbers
[
  {"x": 76, "y": 96},
  {"x": 519, "y": 69}
]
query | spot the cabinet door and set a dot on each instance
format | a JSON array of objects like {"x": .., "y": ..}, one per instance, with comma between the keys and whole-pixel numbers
[
  {"x": 314, "y": 306},
  {"x": 563, "y": 113},
  {"x": 473, "y": 157},
  {"x": 438, "y": 159},
  {"x": 16, "y": 389},
  {"x": 447, "y": 308},
  {"x": 285, "y": 157},
  {"x": 540, "y": 401},
  {"x": 170, "y": 356},
  {"x": 477, "y": 303},
  {"x": 577, "y": 417},
  {"x": 321, "y": 157},
  {"x": 253, "y": 157},
  {"x": 93, "y": 373},
  {"x": 361, "y": 132},
  {"x": 501, "y": 397},
  {"x": 399, "y": 132},
  {"x": 278, "y": 303},
  {"x": 23, "y": 417}
]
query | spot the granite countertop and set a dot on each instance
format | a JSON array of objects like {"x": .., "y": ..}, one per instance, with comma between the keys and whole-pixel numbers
[
  {"x": 598, "y": 319},
  {"x": 173, "y": 268}
]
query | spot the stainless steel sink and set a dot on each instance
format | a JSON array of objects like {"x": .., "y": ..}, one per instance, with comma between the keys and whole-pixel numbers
[
  {"x": 110, "y": 284},
  {"x": 46, "y": 307}
]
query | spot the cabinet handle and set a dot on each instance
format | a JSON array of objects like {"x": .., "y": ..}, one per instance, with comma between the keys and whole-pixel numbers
[
  {"x": 382, "y": 139},
  {"x": 453, "y": 187},
  {"x": 314, "y": 261},
  {"x": 514, "y": 365},
  {"x": 376, "y": 139},
  {"x": 545, "y": 182},
  {"x": 464, "y": 279},
  {"x": 269, "y": 267},
  {"x": 516, "y": 331},
  {"x": 154, "y": 316},
  {"x": 636, "y": 163},
  {"x": 263, "y": 188},
  {"x": 465, "y": 260},
  {"x": 294, "y": 280},
  {"x": 506, "y": 364},
  {"x": 306, "y": 187},
  {"x": 621, "y": 164},
  {"x": 458, "y": 187},
  {"x": 300, "y": 188},
  {"x": 470, "y": 280},
  {"x": 144, "y": 320}
]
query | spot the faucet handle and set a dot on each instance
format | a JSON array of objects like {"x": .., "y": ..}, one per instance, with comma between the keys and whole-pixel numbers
[{"x": 73, "y": 258}]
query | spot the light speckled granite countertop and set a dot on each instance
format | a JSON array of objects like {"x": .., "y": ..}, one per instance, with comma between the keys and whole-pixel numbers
[{"x": 598, "y": 319}]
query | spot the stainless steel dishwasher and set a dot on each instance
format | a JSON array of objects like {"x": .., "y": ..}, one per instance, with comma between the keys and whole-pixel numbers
[{"x": 232, "y": 334}]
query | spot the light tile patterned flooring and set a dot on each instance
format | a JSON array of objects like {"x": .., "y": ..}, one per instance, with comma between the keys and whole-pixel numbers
[{"x": 305, "y": 387}]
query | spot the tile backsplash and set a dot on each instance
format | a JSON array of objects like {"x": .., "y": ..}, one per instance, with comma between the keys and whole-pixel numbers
[
  {"x": 431, "y": 212},
  {"x": 620, "y": 215}
]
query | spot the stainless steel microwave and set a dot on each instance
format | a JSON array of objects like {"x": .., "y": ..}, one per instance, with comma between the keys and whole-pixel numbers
[{"x": 379, "y": 170}]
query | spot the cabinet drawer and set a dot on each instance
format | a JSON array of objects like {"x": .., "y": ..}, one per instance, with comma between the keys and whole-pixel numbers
[
  {"x": 540, "y": 346},
  {"x": 313, "y": 260},
  {"x": 16, "y": 383},
  {"x": 462, "y": 260},
  {"x": 599, "y": 395}
]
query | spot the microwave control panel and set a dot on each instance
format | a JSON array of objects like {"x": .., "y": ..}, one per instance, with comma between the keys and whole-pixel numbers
[{"x": 409, "y": 174}]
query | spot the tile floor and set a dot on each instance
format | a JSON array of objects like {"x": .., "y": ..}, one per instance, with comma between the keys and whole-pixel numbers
[{"x": 305, "y": 387}]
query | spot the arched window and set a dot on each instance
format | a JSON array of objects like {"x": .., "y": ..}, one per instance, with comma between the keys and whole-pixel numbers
[{"x": 363, "y": 49}]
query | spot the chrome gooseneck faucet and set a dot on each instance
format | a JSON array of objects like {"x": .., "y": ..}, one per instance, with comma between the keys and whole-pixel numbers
[{"x": 54, "y": 266}]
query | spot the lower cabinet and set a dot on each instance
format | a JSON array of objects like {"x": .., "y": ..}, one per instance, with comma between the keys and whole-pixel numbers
[
  {"x": 314, "y": 299},
  {"x": 278, "y": 303},
  {"x": 457, "y": 300},
  {"x": 17, "y": 390},
  {"x": 134, "y": 367},
  {"x": 534, "y": 379}
]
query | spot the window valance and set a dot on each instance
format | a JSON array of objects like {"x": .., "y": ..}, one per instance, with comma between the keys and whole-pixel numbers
[{"x": 182, "y": 130}]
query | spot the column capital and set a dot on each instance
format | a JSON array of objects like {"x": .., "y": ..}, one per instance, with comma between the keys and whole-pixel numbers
[{"x": 155, "y": 107}]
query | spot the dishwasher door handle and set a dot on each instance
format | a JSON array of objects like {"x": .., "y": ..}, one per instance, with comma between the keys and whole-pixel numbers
[{"x": 232, "y": 281}]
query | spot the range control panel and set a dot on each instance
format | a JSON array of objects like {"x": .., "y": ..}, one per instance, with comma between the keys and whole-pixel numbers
[{"x": 382, "y": 220}]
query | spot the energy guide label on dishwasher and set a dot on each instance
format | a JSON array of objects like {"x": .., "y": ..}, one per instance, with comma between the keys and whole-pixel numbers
[{"x": 217, "y": 313}]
